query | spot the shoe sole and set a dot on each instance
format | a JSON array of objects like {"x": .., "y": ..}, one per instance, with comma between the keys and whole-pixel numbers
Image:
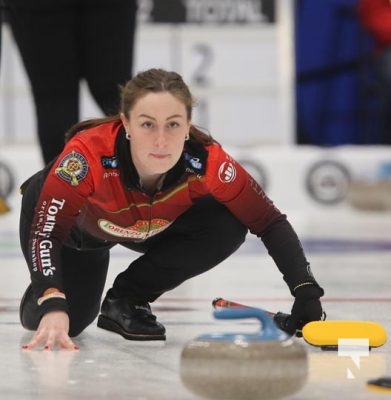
[{"x": 110, "y": 325}]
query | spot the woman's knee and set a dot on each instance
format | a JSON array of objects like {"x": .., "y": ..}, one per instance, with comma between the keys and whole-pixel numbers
[{"x": 79, "y": 321}]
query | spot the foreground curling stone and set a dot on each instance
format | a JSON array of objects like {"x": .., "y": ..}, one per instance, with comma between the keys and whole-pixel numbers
[{"x": 266, "y": 365}]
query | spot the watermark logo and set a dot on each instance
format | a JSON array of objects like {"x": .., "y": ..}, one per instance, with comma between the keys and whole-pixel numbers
[{"x": 353, "y": 348}]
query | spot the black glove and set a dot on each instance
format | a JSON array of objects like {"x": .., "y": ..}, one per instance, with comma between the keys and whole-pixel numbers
[{"x": 306, "y": 308}]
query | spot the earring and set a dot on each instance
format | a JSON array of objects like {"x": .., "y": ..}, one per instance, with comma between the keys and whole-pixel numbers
[
  {"x": 187, "y": 137},
  {"x": 127, "y": 135}
]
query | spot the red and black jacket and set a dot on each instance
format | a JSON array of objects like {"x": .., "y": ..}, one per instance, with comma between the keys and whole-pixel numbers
[{"x": 93, "y": 185}]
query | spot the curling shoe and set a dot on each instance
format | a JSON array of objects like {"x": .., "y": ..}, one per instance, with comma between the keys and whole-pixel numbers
[{"x": 131, "y": 321}]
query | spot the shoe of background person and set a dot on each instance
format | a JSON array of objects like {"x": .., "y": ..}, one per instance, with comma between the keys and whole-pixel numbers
[{"x": 131, "y": 321}]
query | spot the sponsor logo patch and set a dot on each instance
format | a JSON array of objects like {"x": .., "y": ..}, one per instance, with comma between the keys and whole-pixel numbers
[
  {"x": 109, "y": 162},
  {"x": 195, "y": 162},
  {"x": 72, "y": 168},
  {"x": 42, "y": 244},
  {"x": 142, "y": 229},
  {"x": 227, "y": 172}
]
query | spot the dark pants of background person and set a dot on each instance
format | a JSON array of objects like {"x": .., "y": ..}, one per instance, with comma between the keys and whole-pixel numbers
[
  {"x": 64, "y": 41},
  {"x": 1, "y": 24},
  {"x": 197, "y": 241},
  {"x": 383, "y": 71}
]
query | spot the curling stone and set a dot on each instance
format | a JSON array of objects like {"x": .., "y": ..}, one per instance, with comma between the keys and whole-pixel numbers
[{"x": 265, "y": 365}]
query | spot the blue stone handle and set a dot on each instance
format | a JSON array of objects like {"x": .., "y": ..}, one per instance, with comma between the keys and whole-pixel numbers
[{"x": 268, "y": 329}]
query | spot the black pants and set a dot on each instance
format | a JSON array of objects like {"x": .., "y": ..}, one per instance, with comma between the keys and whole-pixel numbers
[
  {"x": 383, "y": 75},
  {"x": 197, "y": 241},
  {"x": 1, "y": 25},
  {"x": 64, "y": 41}
]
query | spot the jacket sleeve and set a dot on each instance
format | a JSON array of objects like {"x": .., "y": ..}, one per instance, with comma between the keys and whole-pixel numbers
[
  {"x": 63, "y": 192},
  {"x": 233, "y": 186}
]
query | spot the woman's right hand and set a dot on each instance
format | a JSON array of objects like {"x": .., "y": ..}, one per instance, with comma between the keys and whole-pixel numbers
[{"x": 52, "y": 331}]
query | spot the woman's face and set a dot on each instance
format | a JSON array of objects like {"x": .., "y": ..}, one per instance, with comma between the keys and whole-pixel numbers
[{"x": 157, "y": 127}]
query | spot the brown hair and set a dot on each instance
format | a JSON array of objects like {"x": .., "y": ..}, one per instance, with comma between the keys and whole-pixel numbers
[{"x": 154, "y": 80}]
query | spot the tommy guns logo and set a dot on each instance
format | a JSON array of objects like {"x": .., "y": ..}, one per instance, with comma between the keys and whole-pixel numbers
[{"x": 49, "y": 221}]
